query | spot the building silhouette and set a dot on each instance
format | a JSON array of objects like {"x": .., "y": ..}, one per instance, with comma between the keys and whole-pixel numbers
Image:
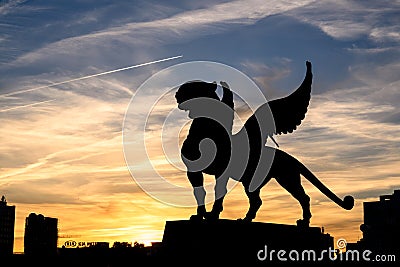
[
  {"x": 381, "y": 227},
  {"x": 41, "y": 235},
  {"x": 382, "y": 221},
  {"x": 7, "y": 223}
]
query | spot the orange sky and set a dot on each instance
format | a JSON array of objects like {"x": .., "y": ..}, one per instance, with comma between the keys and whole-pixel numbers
[
  {"x": 82, "y": 179},
  {"x": 61, "y": 148}
]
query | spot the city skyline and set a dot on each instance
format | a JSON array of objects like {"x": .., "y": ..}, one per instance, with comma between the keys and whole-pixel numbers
[
  {"x": 62, "y": 151},
  {"x": 379, "y": 229}
]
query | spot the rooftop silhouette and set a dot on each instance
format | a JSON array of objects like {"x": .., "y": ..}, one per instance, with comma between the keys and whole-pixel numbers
[
  {"x": 41, "y": 235},
  {"x": 7, "y": 224},
  {"x": 381, "y": 227}
]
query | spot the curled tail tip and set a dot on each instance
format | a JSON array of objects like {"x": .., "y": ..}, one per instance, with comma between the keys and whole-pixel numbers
[{"x": 348, "y": 202}]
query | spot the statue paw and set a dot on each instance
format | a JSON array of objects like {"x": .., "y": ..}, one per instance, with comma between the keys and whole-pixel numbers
[
  {"x": 196, "y": 218},
  {"x": 244, "y": 220},
  {"x": 303, "y": 223},
  {"x": 211, "y": 216},
  {"x": 247, "y": 219}
]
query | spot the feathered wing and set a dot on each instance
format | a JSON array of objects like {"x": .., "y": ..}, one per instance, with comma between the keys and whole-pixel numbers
[{"x": 287, "y": 112}]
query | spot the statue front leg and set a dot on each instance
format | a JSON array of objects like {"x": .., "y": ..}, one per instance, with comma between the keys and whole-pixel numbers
[
  {"x": 220, "y": 192},
  {"x": 196, "y": 179}
]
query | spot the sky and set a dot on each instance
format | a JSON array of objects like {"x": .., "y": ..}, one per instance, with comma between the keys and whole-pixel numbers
[{"x": 61, "y": 149}]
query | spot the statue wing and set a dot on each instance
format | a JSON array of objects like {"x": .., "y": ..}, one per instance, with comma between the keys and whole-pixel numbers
[{"x": 287, "y": 112}]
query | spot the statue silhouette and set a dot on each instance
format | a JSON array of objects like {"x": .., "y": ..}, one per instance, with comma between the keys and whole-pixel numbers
[
  {"x": 210, "y": 134},
  {"x": 211, "y": 148}
]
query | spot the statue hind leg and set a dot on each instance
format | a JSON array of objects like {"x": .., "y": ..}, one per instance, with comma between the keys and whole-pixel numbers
[
  {"x": 255, "y": 204},
  {"x": 196, "y": 180},
  {"x": 255, "y": 201},
  {"x": 294, "y": 187}
]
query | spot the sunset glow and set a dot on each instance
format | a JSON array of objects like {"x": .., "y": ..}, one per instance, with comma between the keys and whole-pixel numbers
[{"x": 64, "y": 157}]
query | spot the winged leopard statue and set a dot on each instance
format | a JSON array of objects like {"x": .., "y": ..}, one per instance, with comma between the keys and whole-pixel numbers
[{"x": 211, "y": 148}]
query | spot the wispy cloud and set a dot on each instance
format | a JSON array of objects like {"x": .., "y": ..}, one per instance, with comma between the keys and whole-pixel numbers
[
  {"x": 65, "y": 158},
  {"x": 343, "y": 19},
  {"x": 10, "y": 6},
  {"x": 185, "y": 25},
  {"x": 265, "y": 75}
]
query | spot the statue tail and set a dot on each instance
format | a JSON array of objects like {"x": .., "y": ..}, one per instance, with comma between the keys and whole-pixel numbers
[{"x": 348, "y": 201}]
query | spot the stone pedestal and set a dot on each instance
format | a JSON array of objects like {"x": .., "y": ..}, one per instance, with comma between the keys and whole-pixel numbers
[{"x": 236, "y": 241}]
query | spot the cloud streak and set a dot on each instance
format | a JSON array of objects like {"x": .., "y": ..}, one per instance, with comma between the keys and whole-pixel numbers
[
  {"x": 65, "y": 160},
  {"x": 27, "y": 105},
  {"x": 91, "y": 76}
]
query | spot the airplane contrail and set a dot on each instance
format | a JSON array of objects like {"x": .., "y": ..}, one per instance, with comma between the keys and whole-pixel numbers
[
  {"x": 27, "y": 105},
  {"x": 90, "y": 76}
]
